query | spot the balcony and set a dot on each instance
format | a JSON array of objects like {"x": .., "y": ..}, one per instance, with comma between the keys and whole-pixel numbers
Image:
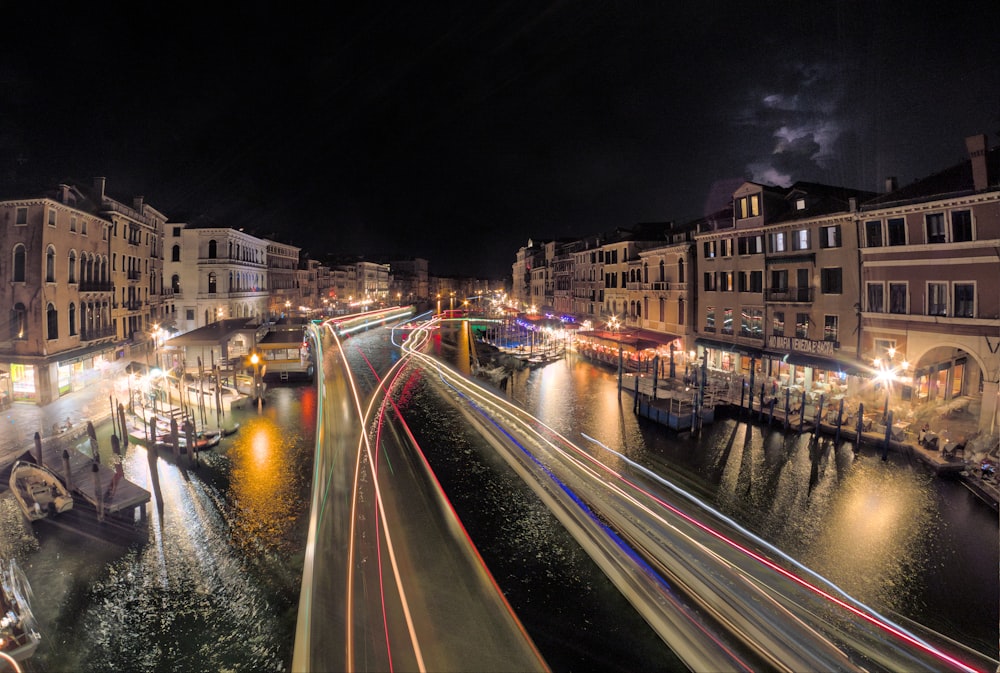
[
  {"x": 133, "y": 305},
  {"x": 789, "y": 295},
  {"x": 134, "y": 274},
  {"x": 97, "y": 334},
  {"x": 96, "y": 286}
]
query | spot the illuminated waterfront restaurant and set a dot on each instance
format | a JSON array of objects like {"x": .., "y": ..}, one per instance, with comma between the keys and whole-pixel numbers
[{"x": 782, "y": 299}]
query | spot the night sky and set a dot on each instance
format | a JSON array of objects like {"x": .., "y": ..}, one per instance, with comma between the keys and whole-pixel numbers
[{"x": 457, "y": 131}]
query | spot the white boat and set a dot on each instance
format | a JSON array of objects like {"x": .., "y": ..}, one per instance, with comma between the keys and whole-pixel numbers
[
  {"x": 19, "y": 637},
  {"x": 38, "y": 490}
]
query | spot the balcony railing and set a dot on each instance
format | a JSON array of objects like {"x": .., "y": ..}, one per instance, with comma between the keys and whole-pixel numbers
[
  {"x": 95, "y": 334},
  {"x": 789, "y": 294},
  {"x": 96, "y": 286}
]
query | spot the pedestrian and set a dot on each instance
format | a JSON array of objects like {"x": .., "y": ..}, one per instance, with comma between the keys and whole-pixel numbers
[{"x": 922, "y": 435}]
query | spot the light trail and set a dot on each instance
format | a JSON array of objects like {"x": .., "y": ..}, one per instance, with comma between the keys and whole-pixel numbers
[{"x": 514, "y": 413}]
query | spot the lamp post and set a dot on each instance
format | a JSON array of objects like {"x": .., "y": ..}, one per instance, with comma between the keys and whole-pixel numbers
[
  {"x": 255, "y": 361},
  {"x": 887, "y": 375}
]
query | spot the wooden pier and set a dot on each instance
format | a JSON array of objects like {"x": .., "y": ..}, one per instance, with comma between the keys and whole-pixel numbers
[{"x": 90, "y": 481}]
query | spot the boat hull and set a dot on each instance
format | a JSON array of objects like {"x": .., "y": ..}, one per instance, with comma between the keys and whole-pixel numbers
[{"x": 39, "y": 491}]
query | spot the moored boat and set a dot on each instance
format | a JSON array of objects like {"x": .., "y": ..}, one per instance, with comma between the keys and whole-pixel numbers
[
  {"x": 19, "y": 637},
  {"x": 38, "y": 490}
]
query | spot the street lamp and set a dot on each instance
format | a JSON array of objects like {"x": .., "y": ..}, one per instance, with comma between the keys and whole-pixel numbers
[{"x": 255, "y": 361}]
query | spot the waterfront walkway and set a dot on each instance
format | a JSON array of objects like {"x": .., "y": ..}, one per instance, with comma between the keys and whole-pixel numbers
[{"x": 951, "y": 427}]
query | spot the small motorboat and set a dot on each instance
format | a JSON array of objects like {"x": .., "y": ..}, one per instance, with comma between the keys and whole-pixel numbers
[
  {"x": 38, "y": 490},
  {"x": 19, "y": 637}
]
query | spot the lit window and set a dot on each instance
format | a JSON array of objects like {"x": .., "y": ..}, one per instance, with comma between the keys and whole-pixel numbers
[
  {"x": 937, "y": 299},
  {"x": 965, "y": 300},
  {"x": 935, "y": 227},
  {"x": 831, "y": 329}
]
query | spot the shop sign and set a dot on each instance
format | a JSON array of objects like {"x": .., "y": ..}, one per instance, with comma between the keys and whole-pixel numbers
[{"x": 797, "y": 345}]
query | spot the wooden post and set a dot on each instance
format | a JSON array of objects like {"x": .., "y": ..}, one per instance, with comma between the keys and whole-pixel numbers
[
  {"x": 743, "y": 392},
  {"x": 95, "y": 468},
  {"x": 888, "y": 436},
  {"x": 192, "y": 449},
  {"x": 175, "y": 438},
  {"x": 861, "y": 424},
  {"x": 760, "y": 417},
  {"x": 840, "y": 419},
  {"x": 93, "y": 441},
  {"x": 788, "y": 411},
  {"x": 69, "y": 474},
  {"x": 121, "y": 422},
  {"x": 635, "y": 403},
  {"x": 38, "y": 449},
  {"x": 819, "y": 416}
]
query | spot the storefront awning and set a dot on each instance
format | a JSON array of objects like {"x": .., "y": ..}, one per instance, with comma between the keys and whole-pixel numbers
[
  {"x": 749, "y": 351},
  {"x": 826, "y": 364}
]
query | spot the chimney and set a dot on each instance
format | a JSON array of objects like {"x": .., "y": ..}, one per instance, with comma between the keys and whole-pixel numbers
[
  {"x": 890, "y": 184},
  {"x": 99, "y": 189},
  {"x": 977, "y": 156},
  {"x": 137, "y": 204}
]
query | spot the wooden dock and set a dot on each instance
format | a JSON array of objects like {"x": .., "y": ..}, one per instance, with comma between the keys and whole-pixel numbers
[{"x": 88, "y": 480}]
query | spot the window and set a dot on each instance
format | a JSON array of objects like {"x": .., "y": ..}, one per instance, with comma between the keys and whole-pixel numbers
[
  {"x": 175, "y": 254},
  {"x": 83, "y": 227},
  {"x": 829, "y": 237},
  {"x": 726, "y": 247},
  {"x": 935, "y": 227},
  {"x": 876, "y": 297},
  {"x": 873, "y": 234},
  {"x": 831, "y": 281},
  {"x": 52, "y": 218},
  {"x": 18, "y": 274},
  {"x": 709, "y": 281},
  {"x": 709, "y": 318},
  {"x": 831, "y": 328},
  {"x": 710, "y": 249},
  {"x": 212, "y": 278},
  {"x": 50, "y": 265},
  {"x": 937, "y": 298},
  {"x": 72, "y": 319},
  {"x": 72, "y": 223},
  {"x": 71, "y": 271},
  {"x": 800, "y": 239},
  {"x": 52, "y": 322},
  {"x": 897, "y": 298},
  {"x": 961, "y": 225},
  {"x": 965, "y": 300},
  {"x": 727, "y": 321},
  {"x": 175, "y": 283},
  {"x": 800, "y": 204},
  {"x": 189, "y": 313},
  {"x": 751, "y": 245},
  {"x": 779, "y": 242},
  {"x": 778, "y": 323},
  {"x": 18, "y": 322},
  {"x": 212, "y": 249},
  {"x": 725, "y": 281},
  {"x": 748, "y": 206},
  {"x": 21, "y": 216},
  {"x": 752, "y": 323},
  {"x": 779, "y": 279},
  {"x": 897, "y": 231},
  {"x": 802, "y": 325},
  {"x": 756, "y": 281},
  {"x": 177, "y": 232}
]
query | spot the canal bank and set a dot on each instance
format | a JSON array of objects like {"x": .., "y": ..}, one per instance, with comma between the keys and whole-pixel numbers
[{"x": 673, "y": 399}]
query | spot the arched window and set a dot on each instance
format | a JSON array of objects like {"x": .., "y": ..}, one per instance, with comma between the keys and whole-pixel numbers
[
  {"x": 680, "y": 311},
  {"x": 175, "y": 254},
  {"x": 645, "y": 272},
  {"x": 18, "y": 322},
  {"x": 50, "y": 265},
  {"x": 680, "y": 270},
  {"x": 52, "y": 322},
  {"x": 71, "y": 271},
  {"x": 212, "y": 249},
  {"x": 662, "y": 265},
  {"x": 211, "y": 282},
  {"x": 18, "y": 275},
  {"x": 72, "y": 319},
  {"x": 175, "y": 283}
]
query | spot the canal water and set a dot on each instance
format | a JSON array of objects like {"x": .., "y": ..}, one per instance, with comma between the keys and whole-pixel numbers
[
  {"x": 890, "y": 533},
  {"x": 209, "y": 581}
]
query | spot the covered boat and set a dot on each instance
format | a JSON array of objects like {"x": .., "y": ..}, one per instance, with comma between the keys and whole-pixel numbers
[{"x": 38, "y": 490}]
